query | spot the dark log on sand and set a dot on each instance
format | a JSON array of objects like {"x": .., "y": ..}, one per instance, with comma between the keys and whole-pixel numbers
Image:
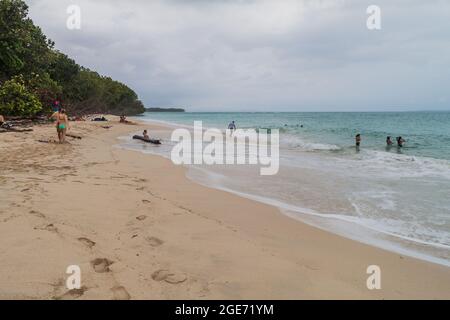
[
  {"x": 47, "y": 141},
  {"x": 154, "y": 141},
  {"x": 128, "y": 122},
  {"x": 11, "y": 129},
  {"x": 73, "y": 136}
]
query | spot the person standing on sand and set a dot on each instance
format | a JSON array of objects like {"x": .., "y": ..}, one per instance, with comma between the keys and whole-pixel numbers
[
  {"x": 56, "y": 106},
  {"x": 62, "y": 124}
]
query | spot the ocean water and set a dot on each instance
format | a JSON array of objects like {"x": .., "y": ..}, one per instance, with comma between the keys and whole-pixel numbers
[{"x": 398, "y": 199}]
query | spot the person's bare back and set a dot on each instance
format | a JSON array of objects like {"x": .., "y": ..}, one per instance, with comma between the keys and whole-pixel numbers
[{"x": 62, "y": 124}]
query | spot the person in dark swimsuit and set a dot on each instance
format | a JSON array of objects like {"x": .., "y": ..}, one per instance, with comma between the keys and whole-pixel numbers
[
  {"x": 400, "y": 142},
  {"x": 389, "y": 142},
  {"x": 358, "y": 140}
]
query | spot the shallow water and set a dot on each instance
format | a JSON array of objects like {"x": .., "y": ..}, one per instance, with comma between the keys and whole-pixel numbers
[{"x": 396, "y": 198}]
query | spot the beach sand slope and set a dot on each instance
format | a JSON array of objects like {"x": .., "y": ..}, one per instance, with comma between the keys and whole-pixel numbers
[{"x": 139, "y": 229}]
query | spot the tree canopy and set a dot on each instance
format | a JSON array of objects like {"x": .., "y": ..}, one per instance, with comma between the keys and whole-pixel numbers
[{"x": 33, "y": 73}]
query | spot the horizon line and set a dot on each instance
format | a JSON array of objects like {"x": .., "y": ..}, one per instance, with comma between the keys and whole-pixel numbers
[{"x": 309, "y": 111}]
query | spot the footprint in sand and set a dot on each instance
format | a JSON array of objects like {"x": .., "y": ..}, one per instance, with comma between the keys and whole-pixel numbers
[
  {"x": 119, "y": 177},
  {"x": 141, "y": 218},
  {"x": 154, "y": 242},
  {"x": 72, "y": 294},
  {"x": 169, "y": 277},
  {"x": 49, "y": 227},
  {"x": 37, "y": 214},
  {"x": 146, "y": 201},
  {"x": 120, "y": 293},
  {"x": 87, "y": 242},
  {"x": 101, "y": 265}
]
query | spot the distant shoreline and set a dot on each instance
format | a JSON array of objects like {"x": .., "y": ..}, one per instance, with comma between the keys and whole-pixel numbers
[
  {"x": 164, "y": 110},
  {"x": 249, "y": 111}
]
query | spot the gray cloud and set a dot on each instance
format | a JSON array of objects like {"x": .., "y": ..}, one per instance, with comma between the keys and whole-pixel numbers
[{"x": 263, "y": 55}]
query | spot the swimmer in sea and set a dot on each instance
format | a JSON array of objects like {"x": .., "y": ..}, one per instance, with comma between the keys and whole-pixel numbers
[
  {"x": 358, "y": 140},
  {"x": 400, "y": 142},
  {"x": 389, "y": 142}
]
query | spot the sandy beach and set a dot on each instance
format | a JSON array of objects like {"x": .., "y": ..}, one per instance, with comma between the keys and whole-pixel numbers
[{"x": 139, "y": 229}]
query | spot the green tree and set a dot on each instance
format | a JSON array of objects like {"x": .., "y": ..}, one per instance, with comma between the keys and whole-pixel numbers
[
  {"x": 16, "y": 100},
  {"x": 62, "y": 69},
  {"x": 23, "y": 46},
  {"x": 47, "y": 74},
  {"x": 44, "y": 88}
]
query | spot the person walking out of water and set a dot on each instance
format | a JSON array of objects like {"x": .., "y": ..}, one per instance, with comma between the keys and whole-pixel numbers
[
  {"x": 232, "y": 126},
  {"x": 389, "y": 142},
  {"x": 400, "y": 142},
  {"x": 358, "y": 140},
  {"x": 62, "y": 124}
]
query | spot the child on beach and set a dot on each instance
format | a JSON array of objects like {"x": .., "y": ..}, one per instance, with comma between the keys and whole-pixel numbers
[
  {"x": 56, "y": 106},
  {"x": 145, "y": 134}
]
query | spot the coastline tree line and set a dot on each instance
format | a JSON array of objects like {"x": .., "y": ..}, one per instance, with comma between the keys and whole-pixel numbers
[{"x": 33, "y": 74}]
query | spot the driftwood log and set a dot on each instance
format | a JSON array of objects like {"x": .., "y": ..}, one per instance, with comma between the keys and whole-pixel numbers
[
  {"x": 153, "y": 141},
  {"x": 73, "y": 136},
  {"x": 47, "y": 141},
  {"x": 12, "y": 129}
]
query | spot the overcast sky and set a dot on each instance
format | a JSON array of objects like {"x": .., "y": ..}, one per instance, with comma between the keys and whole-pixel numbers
[{"x": 263, "y": 55}]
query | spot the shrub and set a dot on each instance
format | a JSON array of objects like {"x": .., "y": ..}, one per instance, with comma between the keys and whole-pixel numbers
[
  {"x": 44, "y": 88},
  {"x": 16, "y": 100}
]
